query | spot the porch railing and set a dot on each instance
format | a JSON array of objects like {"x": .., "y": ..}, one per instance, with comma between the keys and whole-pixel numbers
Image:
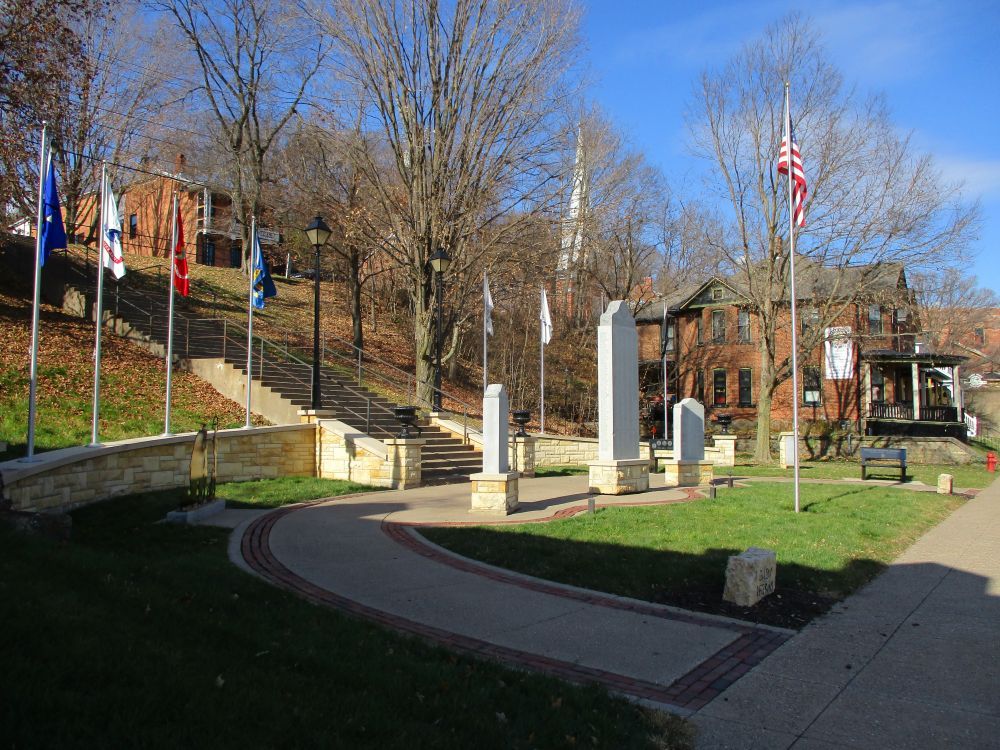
[{"x": 905, "y": 412}]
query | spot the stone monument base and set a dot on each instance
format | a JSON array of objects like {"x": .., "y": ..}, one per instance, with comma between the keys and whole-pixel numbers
[
  {"x": 750, "y": 576},
  {"x": 680, "y": 473},
  {"x": 494, "y": 493},
  {"x": 619, "y": 477}
]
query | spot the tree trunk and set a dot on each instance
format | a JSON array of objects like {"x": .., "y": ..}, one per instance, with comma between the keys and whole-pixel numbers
[
  {"x": 356, "y": 312},
  {"x": 423, "y": 340},
  {"x": 765, "y": 396}
]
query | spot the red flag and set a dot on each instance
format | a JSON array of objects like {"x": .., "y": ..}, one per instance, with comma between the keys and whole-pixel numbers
[{"x": 181, "y": 281}]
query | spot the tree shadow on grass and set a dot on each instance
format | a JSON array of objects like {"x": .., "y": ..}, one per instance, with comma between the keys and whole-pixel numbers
[{"x": 681, "y": 579}]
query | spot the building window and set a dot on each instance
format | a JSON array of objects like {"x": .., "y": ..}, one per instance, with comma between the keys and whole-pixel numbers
[
  {"x": 718, "y": 326},
  {"x": 878, "y": 386},
  {"x": 133, "y": 226},
  {"x": 717, "y": 293},
  {"x": 980, "y": 337},
  {"x": 669, "y": 337},
  {"x": 235, "y": 256},
  {"x": 899, "y": 316},
  {"x": 746, "y": 392},
  {"x": 718, "y": 388},
  {"x": 810, "y": 385},
  {"x": 743, "y": 326},
  {"x": 699, "y": 385},
  {"x": 697, "y": 328},
  {"x": 208, "y": 253},
  {"x": 810, "y": 320},
  {"x": 874, "y": 319}
]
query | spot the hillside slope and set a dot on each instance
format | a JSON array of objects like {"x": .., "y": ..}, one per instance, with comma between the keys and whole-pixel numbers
[{"x": 133, "y": 383}]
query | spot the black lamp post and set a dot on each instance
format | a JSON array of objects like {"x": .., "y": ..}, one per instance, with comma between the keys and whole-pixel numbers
[
  {"x": 440, "y": 261},
  {"x": 318, "y": 233}
]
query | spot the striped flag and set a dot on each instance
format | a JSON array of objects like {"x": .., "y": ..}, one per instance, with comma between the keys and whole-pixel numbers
[{"x": 799, "y": 192}]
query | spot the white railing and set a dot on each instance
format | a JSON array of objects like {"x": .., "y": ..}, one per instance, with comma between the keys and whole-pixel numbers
[{"x": 971, "y": 424}]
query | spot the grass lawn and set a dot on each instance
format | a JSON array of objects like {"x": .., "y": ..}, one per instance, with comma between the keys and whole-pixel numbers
[
  {"x": 138, "y": 634},
  {"x": 272, "y": 493},
  {"x": 676, "y": 554},
  {"x": 966, "y": 475}
]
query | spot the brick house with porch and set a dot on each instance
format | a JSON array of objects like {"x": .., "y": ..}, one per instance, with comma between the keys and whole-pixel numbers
[
  {"x": 211, "y": 233},
  {"x": 869, "y": 369}
]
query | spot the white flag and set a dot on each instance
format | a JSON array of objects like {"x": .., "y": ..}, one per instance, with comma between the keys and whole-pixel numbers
[
  {"x": 546, "y": 320},
  {"x": 111, "y": 237},
  {"x": 487, "y": 305}
]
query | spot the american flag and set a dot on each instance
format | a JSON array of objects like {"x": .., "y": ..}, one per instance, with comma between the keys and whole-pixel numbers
[{"x": 799, "y": 191}]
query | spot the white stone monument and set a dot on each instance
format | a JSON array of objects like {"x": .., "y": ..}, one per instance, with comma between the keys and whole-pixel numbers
[
  {"x": 494, "y": 490},
  {"x": 618, "y": 469},
  {"x": 750, "y": 576},
  {"x": 688, "y": 467},
  {"x": 945, "y": 484}
]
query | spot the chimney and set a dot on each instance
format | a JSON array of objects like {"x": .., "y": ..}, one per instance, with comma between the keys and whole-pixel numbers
[{"x": 179, "y": 162}]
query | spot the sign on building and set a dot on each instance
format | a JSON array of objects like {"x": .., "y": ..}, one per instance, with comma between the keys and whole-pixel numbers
[
  {"x": 839, "y": 351},
  {"x": 269, "y": 236}
]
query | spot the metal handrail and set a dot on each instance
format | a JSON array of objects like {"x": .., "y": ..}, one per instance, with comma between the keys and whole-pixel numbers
[{"x": 330, "y": 356}]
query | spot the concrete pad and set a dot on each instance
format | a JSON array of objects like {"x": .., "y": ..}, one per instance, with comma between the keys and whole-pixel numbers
[
  {"x": 649, "y": 648},
  {"x": 767, "y": 701},
  {"x": 822, "y": 663},
  {"x": 811, "y": 743},
  {"x": 935, "y": 671},
  {"x": 861, "y": 718},
  {"x": 720, "y": 734}
]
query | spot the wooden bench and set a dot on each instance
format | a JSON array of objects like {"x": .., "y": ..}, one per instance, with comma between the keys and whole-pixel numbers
[{"x": 884, "y": 457}]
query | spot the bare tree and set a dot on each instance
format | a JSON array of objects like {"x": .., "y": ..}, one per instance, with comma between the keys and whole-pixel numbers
[
  {"x": 464, "y": 98},
  {"x": 110, "y": 99},
  {"x": 322, "y": 167},
  {"x": 873, "y": 200},
  {"x": 257, "y": 59},
  {"x": 40, "y": 49},
  {"x": 951, "y": 308},
  {"x": 623, "y": 223}
]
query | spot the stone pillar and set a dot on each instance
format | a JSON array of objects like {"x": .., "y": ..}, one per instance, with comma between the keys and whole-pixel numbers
[
  {"x": 786, "y": 449},
  {"x": 494, "y": 490},
  {"x": 523, "y": 450},
  {"x": 727, "y": 447},
  {"x": 688, "y": 467},
  {"x": 618, "y": 469},
  {"x": 945, "y": 484},
  {"x": 403, "y": 462}
]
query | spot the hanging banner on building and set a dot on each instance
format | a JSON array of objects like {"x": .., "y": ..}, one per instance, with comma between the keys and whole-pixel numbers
[{"x": 839, "y": 351}]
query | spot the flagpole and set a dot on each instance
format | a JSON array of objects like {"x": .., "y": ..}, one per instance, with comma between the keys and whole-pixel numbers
[
  {"x": 664, "y": 435},
  {"x": 791, "y": 256},
  {"x": 253, "y": 266},
  {"x": 485, "y": 316},
  {"x": 170, "y": 314},
  {"x": 37, "y": 300},
  {"x": 542, "y": 359},
  {"x": 101, "y": 236}
]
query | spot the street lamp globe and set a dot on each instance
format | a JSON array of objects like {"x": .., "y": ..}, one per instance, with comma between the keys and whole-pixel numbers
[{"x": 317, "y": 232}]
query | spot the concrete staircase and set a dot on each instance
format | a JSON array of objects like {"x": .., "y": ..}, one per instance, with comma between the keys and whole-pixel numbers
[{"x": 215, "y": 349}]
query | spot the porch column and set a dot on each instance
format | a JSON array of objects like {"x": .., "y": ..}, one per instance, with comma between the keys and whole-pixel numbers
[
  {"x": 915, "y": 369},
  {"x": 956, "y": 392},
  {"x": 866, "y": 390}
]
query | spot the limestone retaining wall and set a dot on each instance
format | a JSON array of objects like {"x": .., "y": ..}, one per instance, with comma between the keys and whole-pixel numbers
[{"x": 64, "y": 479}]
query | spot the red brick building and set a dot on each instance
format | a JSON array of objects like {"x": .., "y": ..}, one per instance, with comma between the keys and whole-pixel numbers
[
  {"x": 869, "y": 369},
  {"x": 211, "y": 234}
]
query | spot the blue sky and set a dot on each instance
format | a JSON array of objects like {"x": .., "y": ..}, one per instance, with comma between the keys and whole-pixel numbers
[{"x": 938, "y": 63}]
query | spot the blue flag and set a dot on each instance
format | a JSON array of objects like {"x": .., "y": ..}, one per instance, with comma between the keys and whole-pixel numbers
[
  {"x": 53, "y": 231},
  {"x": 263, "y": 286}
]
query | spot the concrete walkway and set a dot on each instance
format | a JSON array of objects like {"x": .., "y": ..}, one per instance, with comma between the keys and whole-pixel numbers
[{"x": 910, "y": 661}]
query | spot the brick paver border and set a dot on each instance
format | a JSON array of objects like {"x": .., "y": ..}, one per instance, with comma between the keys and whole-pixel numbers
[{"x": 690, "y": 692}]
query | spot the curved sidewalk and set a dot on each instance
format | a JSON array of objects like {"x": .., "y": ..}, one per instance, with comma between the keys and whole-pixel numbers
[{"x": 360, "y": 554}]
